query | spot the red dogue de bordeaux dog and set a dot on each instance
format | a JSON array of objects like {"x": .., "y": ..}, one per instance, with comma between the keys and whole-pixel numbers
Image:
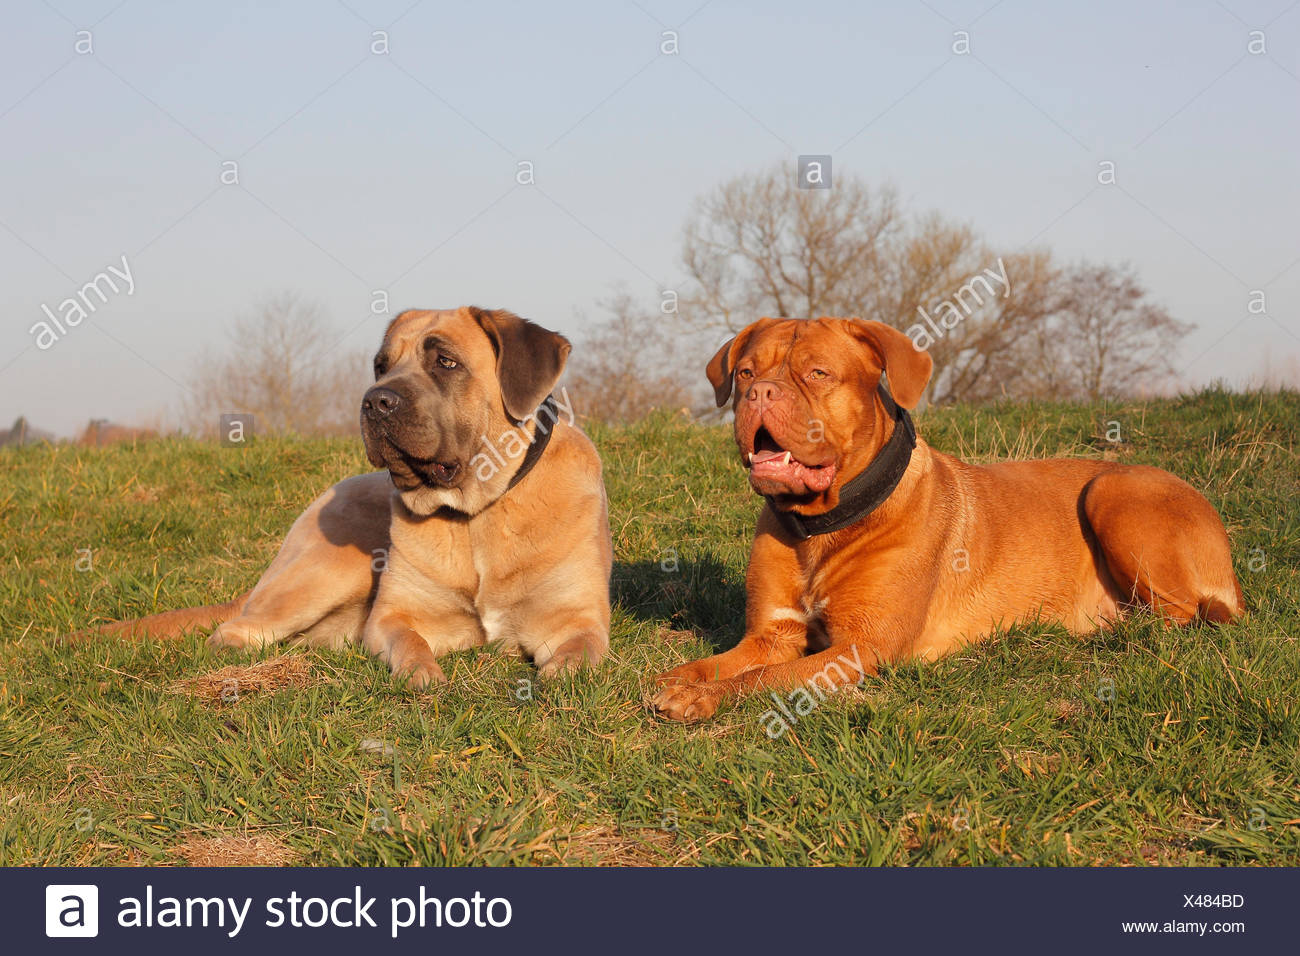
[{"x": 872, "y": 547}]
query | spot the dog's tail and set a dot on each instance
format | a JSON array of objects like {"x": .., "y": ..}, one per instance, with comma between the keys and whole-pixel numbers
[{"x": 167, "y": 625}]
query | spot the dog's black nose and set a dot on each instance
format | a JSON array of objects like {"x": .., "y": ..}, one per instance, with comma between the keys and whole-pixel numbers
[{"x": 380, "y": 402}]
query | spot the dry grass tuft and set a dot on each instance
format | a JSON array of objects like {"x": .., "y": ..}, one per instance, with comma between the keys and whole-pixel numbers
[
  {"x": 616, "y": 846},
  {"x": 1065, "y": 708},
  {"x": 228, "y": 684},
  {"x": 233, "y": 850},
  {"x": 667, "y": 635}
]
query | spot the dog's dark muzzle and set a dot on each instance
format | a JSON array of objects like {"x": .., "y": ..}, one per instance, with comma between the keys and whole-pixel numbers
[{"x": 379, "y": 403}]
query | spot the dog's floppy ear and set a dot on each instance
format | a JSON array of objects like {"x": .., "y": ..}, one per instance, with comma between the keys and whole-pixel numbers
[
  {"x": 907, "y": 366},
  {"x": 530, "y": 358},
  {"x": 723, "y": 364}
]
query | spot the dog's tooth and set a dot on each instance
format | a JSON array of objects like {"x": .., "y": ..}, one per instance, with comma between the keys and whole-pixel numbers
[
  {"x": 749, "y": 457},
  {"x": 786, "y": 459}
]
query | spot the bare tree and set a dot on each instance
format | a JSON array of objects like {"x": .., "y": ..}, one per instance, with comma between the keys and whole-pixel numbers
[
  {"x": 1105, "y": 338},
  {"x": 995, "y": 324},
  {"x": 282, "y": 367},
  {"x": 759, "y": 246},
  {"x": 629, "y": 364},
  {"x": 968, "y": 306}
]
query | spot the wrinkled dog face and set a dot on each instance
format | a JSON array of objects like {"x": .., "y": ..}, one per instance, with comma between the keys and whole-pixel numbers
[
  {"x": 808, "y": 414},
  {"x": 435, "y": 390},
  {"x": 443, "y": 380}
]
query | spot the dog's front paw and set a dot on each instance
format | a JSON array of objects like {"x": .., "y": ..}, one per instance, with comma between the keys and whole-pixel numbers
[
  {"x": 562, "y": 663},
  {"x": 688, "y": 702},
  {"x": 232, "y": 636},
  {"x": 420, "y": 674},
  {"x": 582, "y": 650},
  {"x": 692, "y": 672}
]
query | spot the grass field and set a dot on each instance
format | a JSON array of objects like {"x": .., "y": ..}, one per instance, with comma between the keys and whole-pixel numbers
[{"x": 1142, "y": 745}]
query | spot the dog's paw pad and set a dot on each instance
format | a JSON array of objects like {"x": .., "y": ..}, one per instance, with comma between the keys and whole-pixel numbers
[
  {"x": 421, "y": 676},
  {"x": 687, "y": 702}
]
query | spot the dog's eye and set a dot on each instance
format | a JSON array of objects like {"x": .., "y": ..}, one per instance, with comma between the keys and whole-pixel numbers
[
  {"x": 818, "y": 373},
  {"x": 745, "y": 373},
  {"x": 447, "y": 362}
]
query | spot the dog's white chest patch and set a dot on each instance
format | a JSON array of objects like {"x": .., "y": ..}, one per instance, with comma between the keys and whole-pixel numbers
[
  {"x": 494, "y": 624},
  {"x": 787, "y": 614}
]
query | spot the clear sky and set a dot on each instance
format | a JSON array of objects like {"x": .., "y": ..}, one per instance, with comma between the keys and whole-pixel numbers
[{"x": 361, "y": 171}]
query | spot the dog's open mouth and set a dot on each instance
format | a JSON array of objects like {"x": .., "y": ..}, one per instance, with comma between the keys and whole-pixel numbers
[
  {"x": 433, "y": 472},
  {"x": 409, "y": 470},
  {"x": 772, "y": 465}
]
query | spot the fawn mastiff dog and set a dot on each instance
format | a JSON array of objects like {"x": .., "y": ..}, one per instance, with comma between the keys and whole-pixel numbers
[
  {"x": 489, "y": 524},
  {"x": 873, "y": 547}
]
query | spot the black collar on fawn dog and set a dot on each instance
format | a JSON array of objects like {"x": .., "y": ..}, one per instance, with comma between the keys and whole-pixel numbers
[
  {"x": 868, "y": 491},
  {"x": 541, "y": 438}
]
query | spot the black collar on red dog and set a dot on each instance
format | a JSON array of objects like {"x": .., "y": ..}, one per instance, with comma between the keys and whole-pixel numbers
[
  {"x": 868, "y": 491},
  {"x": 541, "y": 438}
]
